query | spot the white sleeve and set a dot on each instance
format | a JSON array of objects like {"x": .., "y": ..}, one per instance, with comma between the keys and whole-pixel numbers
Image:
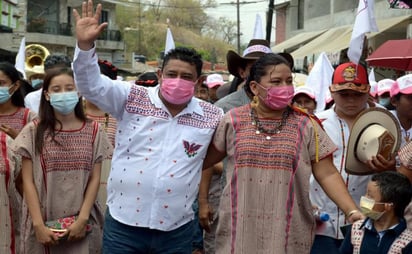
[{"x": 109, "y": 95}]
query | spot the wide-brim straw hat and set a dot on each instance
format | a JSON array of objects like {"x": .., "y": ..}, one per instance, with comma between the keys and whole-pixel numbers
[{"x": 375, "y": 131}]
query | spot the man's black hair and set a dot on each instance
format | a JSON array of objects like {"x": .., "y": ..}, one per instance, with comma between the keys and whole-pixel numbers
[{"x": 188, "y": 55}]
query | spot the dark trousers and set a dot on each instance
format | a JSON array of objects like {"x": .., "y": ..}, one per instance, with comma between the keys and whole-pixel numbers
[{"x": 119, "y": 238}]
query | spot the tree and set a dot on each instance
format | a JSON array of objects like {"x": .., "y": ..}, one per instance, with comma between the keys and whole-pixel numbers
[
  {"x": 182, "y": 13},
  {"x": 223, "y": 29},
  {"x": 146, "y": 33}
]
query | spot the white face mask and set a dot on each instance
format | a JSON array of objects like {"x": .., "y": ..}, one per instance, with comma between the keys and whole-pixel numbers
[{"x": 366, "y": 206}]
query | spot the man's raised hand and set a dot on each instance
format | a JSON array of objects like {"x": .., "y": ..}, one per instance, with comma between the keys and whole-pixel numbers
[{"x": 87, "y": 25}]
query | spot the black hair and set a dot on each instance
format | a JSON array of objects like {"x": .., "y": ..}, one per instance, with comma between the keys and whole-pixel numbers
[
  {"x": 53, "y": 61},
  {"x": 47, "y": 118},
  {"x": 17, "y": 98},
  {"x": 399, "y": 95},
  {"x": 107, "y": 69},
  {"x": 258, "y": 69},
  {"x": 394, "y": 188},
  {"x": 188, "y": 55},
  {"x": 25, "y": 87}
]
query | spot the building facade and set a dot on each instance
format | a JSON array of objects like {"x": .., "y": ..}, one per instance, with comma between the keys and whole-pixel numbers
[
  {"x": 50, "y": 23},
  {"x": 305, "y": 28}
]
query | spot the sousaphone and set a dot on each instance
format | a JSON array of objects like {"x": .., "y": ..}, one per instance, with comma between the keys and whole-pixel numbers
[{"x": 35, "y": 55}]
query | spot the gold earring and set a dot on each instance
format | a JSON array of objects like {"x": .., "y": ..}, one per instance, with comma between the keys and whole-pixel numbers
[{"x": 255, "y": 102}]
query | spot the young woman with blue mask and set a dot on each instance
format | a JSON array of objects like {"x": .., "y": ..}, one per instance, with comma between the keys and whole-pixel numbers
[
  {"x": 62, "y": 156},
  {"x": 13, "y": 115}
]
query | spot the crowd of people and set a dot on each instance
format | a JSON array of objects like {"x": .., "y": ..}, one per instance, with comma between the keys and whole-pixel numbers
[{"x": 182, "y": 162}]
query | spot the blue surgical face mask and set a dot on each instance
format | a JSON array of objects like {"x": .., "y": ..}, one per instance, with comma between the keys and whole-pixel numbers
[
  {"x": 36, "y": 83},
  {"x": 65, "y": 102},
  {"x": 4, "y": 94},
  {"x": 385, "y": 101}
]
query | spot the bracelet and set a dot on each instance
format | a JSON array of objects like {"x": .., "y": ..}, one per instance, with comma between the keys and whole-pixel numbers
[{"x": 351, "y": 213}]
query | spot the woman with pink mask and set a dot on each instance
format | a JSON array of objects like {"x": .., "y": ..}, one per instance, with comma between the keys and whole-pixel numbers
[{"x": 272, "y": 148}]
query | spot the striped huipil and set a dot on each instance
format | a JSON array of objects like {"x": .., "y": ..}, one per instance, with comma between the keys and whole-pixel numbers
[{"x": 265, "y": 206}]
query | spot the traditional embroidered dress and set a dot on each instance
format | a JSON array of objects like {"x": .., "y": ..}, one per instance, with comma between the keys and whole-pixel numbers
[
  {"x": 405, "y": 155},
  {"x": 109, "y": 124},
  {"x": 8, "y": 213},
  {"x": 265, "y": 205},
  {"x": 18, "y": 119},
  {"x": 405, "y": 158},
  {"x": 61, "y": 174}
]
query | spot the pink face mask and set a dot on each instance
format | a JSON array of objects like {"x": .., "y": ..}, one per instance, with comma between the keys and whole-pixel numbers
[
  {"x": 177, "y": 91},
  {"x": 278, "y": 97}
]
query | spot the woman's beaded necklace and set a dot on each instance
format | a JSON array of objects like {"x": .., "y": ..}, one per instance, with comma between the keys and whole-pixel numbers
[{"x": 261, "y": 129}]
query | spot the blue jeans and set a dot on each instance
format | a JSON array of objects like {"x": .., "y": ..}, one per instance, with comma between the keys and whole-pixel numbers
[
  {"x": 197, "y": 243},
  {"x": 119, "y": 238},
  {"x": 325, "y": 244}
]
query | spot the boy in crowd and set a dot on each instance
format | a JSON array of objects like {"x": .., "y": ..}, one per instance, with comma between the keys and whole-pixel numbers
[{"x": 384, "y": 229}]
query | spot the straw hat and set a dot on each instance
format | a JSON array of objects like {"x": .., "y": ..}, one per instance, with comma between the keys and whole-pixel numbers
[{"x": 375, "y": 131}]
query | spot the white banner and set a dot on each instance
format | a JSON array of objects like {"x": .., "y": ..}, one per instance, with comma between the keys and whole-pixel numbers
[
  {"x": 364, "y": 23},
  {"x": 21, "y": 58}
]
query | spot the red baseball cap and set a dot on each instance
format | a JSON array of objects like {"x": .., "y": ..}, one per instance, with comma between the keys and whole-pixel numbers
[{"x": 350, "y": 76}]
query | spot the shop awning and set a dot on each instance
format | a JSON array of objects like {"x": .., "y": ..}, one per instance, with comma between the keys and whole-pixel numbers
[
  {"x": 385, "y": 24},
  {"x": 296, "y": 41},
  {"x": 325, "y": 40},
  {"x": 336, "y": 35},
  {"x": 336, "y": 39}
]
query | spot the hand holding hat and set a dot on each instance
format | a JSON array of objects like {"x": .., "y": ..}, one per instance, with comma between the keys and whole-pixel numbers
[{"x": 375, "y": 132}]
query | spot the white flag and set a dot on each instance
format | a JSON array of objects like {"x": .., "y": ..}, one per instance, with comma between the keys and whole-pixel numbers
[
  {"x": 371, "y": 76},
  {"x": 21, "y": 58},
  {"x": 364, "y": 23},
  {"x": 170, "y": 43},
  {"x": 258, "y": 31},
  {"x": 319, "y": 79}
]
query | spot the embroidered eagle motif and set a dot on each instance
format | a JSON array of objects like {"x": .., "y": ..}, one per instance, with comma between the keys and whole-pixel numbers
[{"x": 191, "y": 148}]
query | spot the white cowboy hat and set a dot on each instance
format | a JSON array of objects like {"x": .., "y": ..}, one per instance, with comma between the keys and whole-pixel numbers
[{"x": 375, "y": 131}]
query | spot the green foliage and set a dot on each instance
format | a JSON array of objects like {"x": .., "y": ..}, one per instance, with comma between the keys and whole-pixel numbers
[{"x": 188, "y": 22}]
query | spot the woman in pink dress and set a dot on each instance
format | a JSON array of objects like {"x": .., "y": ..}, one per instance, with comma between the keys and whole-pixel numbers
[{"x": 61, "y": 162}]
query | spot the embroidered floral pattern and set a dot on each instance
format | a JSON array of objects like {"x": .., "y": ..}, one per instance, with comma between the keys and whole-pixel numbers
[{"x": 191, "y": 149}]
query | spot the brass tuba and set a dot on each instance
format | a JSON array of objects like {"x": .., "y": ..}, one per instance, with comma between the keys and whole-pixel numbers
[{"x": 35, "y": 55}]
